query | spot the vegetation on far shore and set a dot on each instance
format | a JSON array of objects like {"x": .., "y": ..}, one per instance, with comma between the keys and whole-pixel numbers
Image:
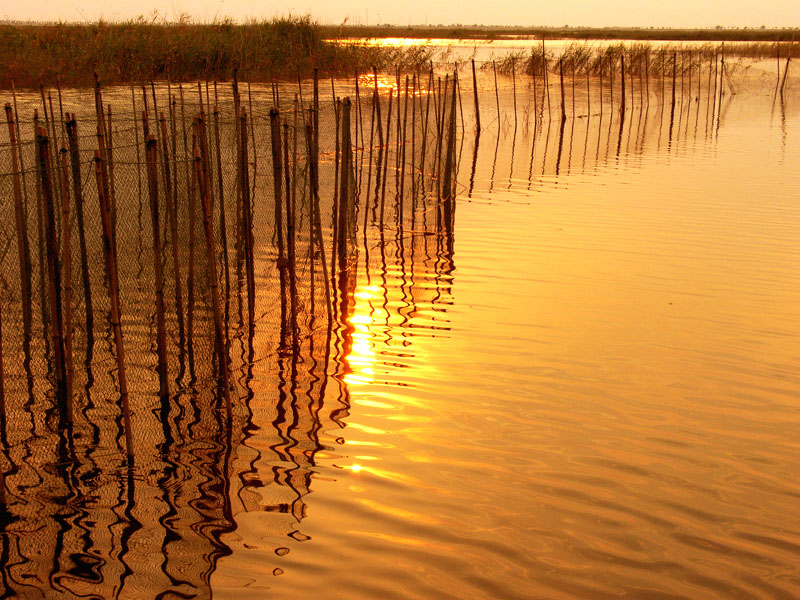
[
  {"x": 280, "y": 49},
  {"x": 477, "y": 32}
]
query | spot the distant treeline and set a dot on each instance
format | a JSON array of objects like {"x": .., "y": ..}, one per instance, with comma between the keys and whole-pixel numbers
[
  {"x": 137, "y": 51},
  {"x": 578, "y": 33}
]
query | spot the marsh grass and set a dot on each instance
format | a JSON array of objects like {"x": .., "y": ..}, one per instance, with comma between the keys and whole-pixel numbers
[
  {"x": 640, "y": 57},
  {"x": 141, "y": 50}
]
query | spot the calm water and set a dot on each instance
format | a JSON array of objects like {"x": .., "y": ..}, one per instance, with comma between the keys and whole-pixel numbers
[{"x": 590, "y": 390}]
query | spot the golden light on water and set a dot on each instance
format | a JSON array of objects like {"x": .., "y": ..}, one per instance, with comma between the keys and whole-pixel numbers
[
  {"x": 362, "y": 354},
  {"x": 388, "y": 83}
]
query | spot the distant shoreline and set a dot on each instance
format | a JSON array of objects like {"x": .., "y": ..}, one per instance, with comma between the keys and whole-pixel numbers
[{"x": 577, "y": 33}]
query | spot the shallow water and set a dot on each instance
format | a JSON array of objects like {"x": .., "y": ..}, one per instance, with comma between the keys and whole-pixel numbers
[
  {"x": 590, "y": 389},
  {"x": 598, "y": 398}
]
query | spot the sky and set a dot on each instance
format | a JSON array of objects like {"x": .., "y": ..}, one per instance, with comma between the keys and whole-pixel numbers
[{"x": 594, "y": 13}]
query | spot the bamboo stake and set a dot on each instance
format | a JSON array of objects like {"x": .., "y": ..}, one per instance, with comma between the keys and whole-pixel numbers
[
  {"x": 546, "y": 78},
  {"x": 247, "y": 223},
  {"x": 414, "y": 92},
  {"x": 447, "y": 186},
  {"x": 77, "y": 192},
  {"x": 424, "y": 144},
  {"x": 622, "y": 83},
  {"x": 21, "y": 222},
  {"x": 561, "y": 78},
  {"x": 275, "y": 131},
  {"x": 67, "y": 266},
  {"x": 151, "y": 146},
  {"x": 535, "y": 92},
  {"x": 588, "y": 95},
  {"x": 475, "y": 95},
  {"x": 334, "y": 216},
  {"x": 208, "y": 227},
  {"x": 111, "y": 184},
  {"x": 674, "y": 67},
  {"x": 402, "y": 172},
  {"x": 170, "y": 198},
  {"x": 113, "y": 294},
  {"x": 290, "y": 234},
  {"x": 785, "y": 72},
  {"x": 41, "y": 235},
  {"x": 386, "y": 161},
  {"x": 344, "y": 194},
  {"x": 54, "y": 275},
  {"x": 496, "y": 94},
  {"x": 223, "y": 229},
  {"x": 313, "y": 168},
  {"x": 514, "y": 88}
]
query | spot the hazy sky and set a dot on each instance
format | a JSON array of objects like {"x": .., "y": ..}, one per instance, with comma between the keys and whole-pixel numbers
[{"x": 598, "y": 13}]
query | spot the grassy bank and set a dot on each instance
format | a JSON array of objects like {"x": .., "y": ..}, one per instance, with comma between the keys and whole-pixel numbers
[
  {"x": 577, "y": 33},
  {"x": 141, "y": 51}
]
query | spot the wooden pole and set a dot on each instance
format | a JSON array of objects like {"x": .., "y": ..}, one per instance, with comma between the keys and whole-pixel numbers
[
  {"x": 475, "y": 95},
  {"x": 53, "y": 275},
  {"x": 386, "y": 160},
  {"x": 785, "y": 73},
  {"x": 275, "y": 130},
  {"x": 247, "y": 223},
  {"x": 223, "y": 228},
  {"x": 290, "y": 234},
  {"x": 171, "y": 202},
  {"x": 622, "y": 79},
  {"x": 220, "y": 345},
  {"x": 561, "y": 78},
  {"x": 77, "y": 192},
  {"x": 23, "y": 247},
  {"x": 344, "y": 180},
  {"x": 496, "y": 93},
  {"x": 66, "y": 259},
  {"x": 151, "y": 151},
  {"x": 113, "y": 294}
]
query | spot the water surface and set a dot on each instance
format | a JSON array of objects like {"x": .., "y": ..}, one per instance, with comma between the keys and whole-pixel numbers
[{"x": 587, "y": 389}]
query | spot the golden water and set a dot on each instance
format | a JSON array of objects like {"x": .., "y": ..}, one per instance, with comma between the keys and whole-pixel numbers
[
  {"x": 590, "y": 390},
  {"x": 595, "y": 396}
]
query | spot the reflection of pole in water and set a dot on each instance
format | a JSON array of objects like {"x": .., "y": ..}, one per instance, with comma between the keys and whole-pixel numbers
[
  {"x": 560, "y": 145},
  {"x": 571, "y": 138},
  {"x": 474, "y": 163},
  {"x": 513, "y": 152}
]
